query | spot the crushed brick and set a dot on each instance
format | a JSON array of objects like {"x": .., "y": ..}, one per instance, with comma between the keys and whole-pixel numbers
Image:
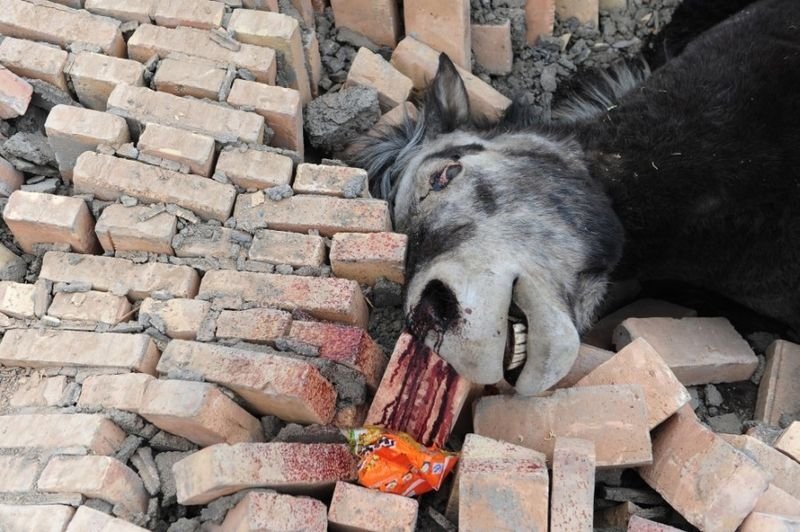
[
  {"x": 17, "y": 300},
  {"x": 108, "y": 273},
  {"x": 38, "y": 517},
  {"x": 572, "y": 500},
  {"x": 34, "y": 348},
  {"x": 190, "y": 77},
  {"x": 149, "y": 40},
  {"x": 425, "y": 20},
  {"x": 15, "y": 94},
  {"x": 124, "y": 10},
  {"x": 789, "y": 442},
  {"x": 202, "y": 14},
  {"x": 289, "y": 388},
  {"x": 329, "y": 180},
  {"x": 305, "y": 212},
  {"x": 182, "y": 318},
  {"x": 34, "y": 60},
  {"x": 378, "y": 20},
  {"x": 491, "y": 44},
  {"x": 294, "y": 249},
  {"x": 351, "y": 346},
  {"x": 199, "y": 412},
  {"x": 94, "y": 77},
  {"x": 109, "y": 178},
  {"x": 140, "y": 105},
  {"x": 289, "y": 467},
  {"x": 74, "y": 130},
  {"x": 184, "y": 147},
  {"x": 11, "y": 179},
  {"x": 779, "y": 389},
  {"x": 420, "y": 62},
  {"x": 785, "y": 471},
  {"x": 260, "y": 510},
  {"x": 255, "y": 169},
  {"x": 40, "y": 22},
  {"x": 698, "y": 350},
  {"x": 100, "y": 477},
  {"x": 121, "y": 228},
  {"x": 123, "y": 392},
  {"x": 89, "y": 519},
  {"x": 53, "y": 431},
  {"x": 280, "y": 32},
  {"x": 90, "y": 306},
  {"x": 357, "y": 508},
  {"x": 258, "y": 325},
  {"x": 711, "y": 484},
  {"x": 37, "y": 218},
  {"x": 371, "y": 70},
  {"x": 367, "y": 257},
  {"x": 613, "y": 417},
  {"x": 282, "y": 109}
]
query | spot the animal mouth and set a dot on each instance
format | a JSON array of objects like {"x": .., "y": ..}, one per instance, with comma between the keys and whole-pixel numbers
[{"x": 516, "y": 352}]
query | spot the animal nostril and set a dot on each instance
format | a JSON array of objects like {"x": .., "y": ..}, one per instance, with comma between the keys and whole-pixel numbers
[{"x": 437, "y": 308}]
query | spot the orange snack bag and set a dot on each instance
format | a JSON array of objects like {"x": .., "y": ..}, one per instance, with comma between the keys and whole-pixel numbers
[{"x": 393, "y": 462}]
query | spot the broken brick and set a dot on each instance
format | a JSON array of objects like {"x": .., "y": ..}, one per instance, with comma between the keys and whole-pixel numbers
[
  {"x": 15, "y": 94},
  {"x": 288, "y": 388},
  {"x": 425, "y": 20},
  {"x": 49, "y": 391},
  {"x": 294, "y": 249},
  {"x": 11, "y": 179},
  {"x": 572, "y": 500},
  {"x": 356, "y": 508},
  {"x": 184, "y": 147},
  {"x": 37, "y": 218},
  {"x": 182, "y": 318},
  {"x": 90, "y": 306},
  {"x": 19, "y": 475},
  {"x": 589, "y": 358},
  {"x": 789, "y": 442},
  {"x": 257, "y": 325},
  {"x": 491, "y": 45},
  {"x": 613, "y": 417},
  {"x": 94, "y": 77},
  {"x": 377, "y": 20},
  {"x": 123, "y": 392},
  {"x": 779, "y": 389},
  {"x": 761, "y": 522},
  {"x": 282, "y": 109},
  {"x": 202, "y": 14},
  {"x": 34, "y": 60},
  {"x": 371, "y": 70},
  {"x": 190, "y": 77},
  {"x": 121, "y": 228},
  {"x": 17, "y": 300},
  {"x": 260, "y": 510},
  {"x": 367, "y": 257},
  {"x": 34, "y": 348},
  {"x": 304, "y": 468},
  {"x": 38, "y": 517},
  {"x": 341, "y": 181},
  {"x": 57, "y": 431},
  {"x": 89, "y": 519},
  {"x": 199, "y": 412},
  {"x": 783, "y": 469},
  {"x": 255, "y": 169}
]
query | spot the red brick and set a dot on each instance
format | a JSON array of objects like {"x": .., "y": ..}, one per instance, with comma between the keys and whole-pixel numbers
[
  {"x": 789, "y": 442},
  {"x": 19, "y": 475},
  {"x": 17, "y": 300},
  {"x": 420, "y": 62},
  {"x": 40, "y": 392},
  {"x": 491, "y": 44},
  {"x": 572, "y": 500},
  {"x": 110, "y": 177},
  {"x": 760, "y": 522},
  {"x": 40, "y": 22},
  {"x": 378, "y": 20},
  {"x": 427, "y": 410},
  {"x": 34, "y": 60},
  {"x": 304, "y": 212},
  {"x": 589, "y": 358},
  {"x": 57, "y": 431},
  {"x": 329, "y": 180},
  {"x": 258, "y": 325},
  {"x": 586, "y": 11},
  {"x": 425, "y": 20},
  {"x": 779, "y": 390},
  {"x": 89, "y": 519},
  {"x": 199, "y": 412},
  {"x": 357, "y": 508},
  {"x": 140, "y": 105},
  {"x": 90, "y": 306},
  {"x": 33, "y": 348},
  {"x": 281, "y": 108},
  {"x": 203, "y": 14},
  {"x": 289, "y": 467},
  {"x": 639, "y": 363},
  {"x": 640, "y": 524},
  {"x": 184, "y": 147},
  {"x": 74, "y": 130},
  {"x": 260, "y": 510},
  {"x": 613, "y": 417},
  {"x": 123, "y": 392},
  {"x": 313, "y": 60},
  {"x": 121, "y": 228},
  {"x": 10, "y": 178},
  {"x": 269, "y": 383},
  {"x": 326, "y": 299},
  {"x": 366, "y": 257},
  {"x": 125, "y": 10},
  {"x": 501, "y": 486},
  {"x": 107, "y": 273},
  {"x": 351, "y": 346},
  {"x": 711, "y": 484},
  {"x": 295, "y": 249},
  {"x": 94, "y": 77},
  {"x": 100, "y": 477},
  {"x": 540, "y": 17},
  {"x": 190, "y": 77},
  {"x": 306, "y": 11},
  {"x": 785, "y": 471},
  {"x": 280, "y": 32},
  {"x": 149, "y": 40},
  {"x": 181, "y": 317},
  {"x": 371, "y": 70},
  {"x": 698, "y": 350},
  {"x": 39, "y": 517},
  {"x": 15, "y": 94},
  {"x": 602, "y": 333},
  {"x": 255, "y": 169},
  {"x": 777, "y": 501}
]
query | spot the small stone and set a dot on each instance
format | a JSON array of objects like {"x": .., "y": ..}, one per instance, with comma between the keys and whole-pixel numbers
[
  {"x": 713, "y": 397},
  {"x": 726, "y": 423}
]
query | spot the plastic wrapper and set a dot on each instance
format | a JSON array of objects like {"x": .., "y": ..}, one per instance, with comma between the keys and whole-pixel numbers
[{"x": 393, "y": 462}]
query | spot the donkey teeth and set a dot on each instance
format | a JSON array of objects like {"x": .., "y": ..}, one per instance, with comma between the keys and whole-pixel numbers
[{"x": 520, "y": 346}]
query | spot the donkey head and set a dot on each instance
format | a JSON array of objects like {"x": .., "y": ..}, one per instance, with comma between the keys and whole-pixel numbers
[{"x": 500, "y": 220}]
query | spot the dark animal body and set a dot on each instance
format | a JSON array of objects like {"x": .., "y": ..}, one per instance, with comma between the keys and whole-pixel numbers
[{"x": 692, "y": 175}]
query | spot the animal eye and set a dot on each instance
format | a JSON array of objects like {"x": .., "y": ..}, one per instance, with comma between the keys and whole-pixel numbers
[{"x": 440, "y": 179}]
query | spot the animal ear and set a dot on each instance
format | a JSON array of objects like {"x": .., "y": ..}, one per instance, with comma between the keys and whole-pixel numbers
[{"x": 446, "y": 102}]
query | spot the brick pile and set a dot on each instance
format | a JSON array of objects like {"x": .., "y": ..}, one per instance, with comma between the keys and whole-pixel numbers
[{"x": 185, "y": 300}]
